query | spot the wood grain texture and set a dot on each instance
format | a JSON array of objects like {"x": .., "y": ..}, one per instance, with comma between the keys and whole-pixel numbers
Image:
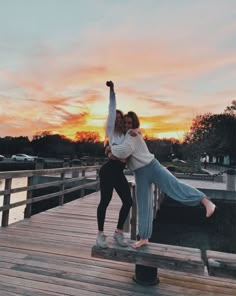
[
  {"x": 221, "y": 264},
  {"x": 50, "y": 254},
  {"x": 155, "y": 255}
]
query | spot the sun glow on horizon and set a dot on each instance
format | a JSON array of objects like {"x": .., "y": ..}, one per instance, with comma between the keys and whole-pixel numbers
[
  {"x": 154, "y": 127},
  {"x": 71, "y": 133},
  {"x": 178, "y": 135},
  {"x": 53, "y": 73}
]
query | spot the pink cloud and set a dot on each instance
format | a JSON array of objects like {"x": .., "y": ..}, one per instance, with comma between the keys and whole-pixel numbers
[{"x": 48, "y": 81}]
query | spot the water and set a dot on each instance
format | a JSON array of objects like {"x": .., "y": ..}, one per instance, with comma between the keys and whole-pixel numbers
[{"x": 15, "y": 214}]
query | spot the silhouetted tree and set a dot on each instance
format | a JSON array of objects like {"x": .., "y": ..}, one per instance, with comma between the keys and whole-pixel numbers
[
  {"x": 163, "y": 148},
  {"x": 214, "y": 134},
  {"x": 13, "y": 145},
  {"x": 232, "y": 108},
  {"x": 47, "y": 144},
  {"x": 88, "y": 137}
]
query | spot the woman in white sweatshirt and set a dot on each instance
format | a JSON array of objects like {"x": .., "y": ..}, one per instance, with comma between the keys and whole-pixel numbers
[
  {"x": 112, "y": 176},
  {"x": 148, "y": 171}
]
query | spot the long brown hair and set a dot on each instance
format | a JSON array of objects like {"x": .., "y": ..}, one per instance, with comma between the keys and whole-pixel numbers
[
  {"x": 120, "y": 129},
  {"x": 135, "y": 119}
]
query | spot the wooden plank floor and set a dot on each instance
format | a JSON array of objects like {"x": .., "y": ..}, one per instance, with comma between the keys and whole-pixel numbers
[{"x": 50, "y": 254}]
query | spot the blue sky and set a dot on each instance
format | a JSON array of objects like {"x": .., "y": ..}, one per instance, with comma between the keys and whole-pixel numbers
[{"x": 170, "y": 60}]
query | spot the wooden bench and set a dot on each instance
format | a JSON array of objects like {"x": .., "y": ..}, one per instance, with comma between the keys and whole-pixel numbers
[
  {"x": 221, "y": 264},
  {"x": 154, "y": 255}
]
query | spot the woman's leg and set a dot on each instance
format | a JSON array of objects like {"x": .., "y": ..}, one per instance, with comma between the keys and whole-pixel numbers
[
  {"x": 145, "y": 206},
  {"x": 121, "y": 186},
  {"x": 106, "y": 188},
  {"x": 178, "y": 190}
]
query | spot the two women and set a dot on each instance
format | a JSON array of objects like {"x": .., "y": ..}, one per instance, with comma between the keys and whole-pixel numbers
[
  {"x": 112, "y": 176},
  {"x": 148, "y": 171}
]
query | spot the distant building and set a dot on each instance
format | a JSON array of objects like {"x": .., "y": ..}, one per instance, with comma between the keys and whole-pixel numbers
[{"x": 221, "y": 159}]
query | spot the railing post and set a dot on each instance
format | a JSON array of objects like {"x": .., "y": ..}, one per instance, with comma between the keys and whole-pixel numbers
[
  {"x": 66, "y": 162},
  {"x": 75, "y": 174},
  {"x": 161, "y": 197},
  {"x": 28, "y": 208},
  {"x": 134, "y": 214},
  {"x": 39, "y": 165},
  {"x": 74, "y": 163},
  {"x": 6, "y": 202},
  {"x": 155, "y": 197},
  {"x": 231, "y": 180},
  {"x": 62, "y": 187},
  {"x": 82, "y": 191},
  {"x": 126, "y": 227}
]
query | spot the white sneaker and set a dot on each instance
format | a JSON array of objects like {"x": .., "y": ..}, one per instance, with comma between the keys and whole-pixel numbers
[
  {"x": 120, "y": 239},
  {"x": 101, "y": 241}
]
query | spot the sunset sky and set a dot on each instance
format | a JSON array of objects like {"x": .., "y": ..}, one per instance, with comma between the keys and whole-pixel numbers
[{"x": 170, "y": 60}]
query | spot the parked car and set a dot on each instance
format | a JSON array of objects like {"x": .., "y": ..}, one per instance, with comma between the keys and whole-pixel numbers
[
  {"x": 2, "y": 157},
  {"x": 23, "y": 157}
]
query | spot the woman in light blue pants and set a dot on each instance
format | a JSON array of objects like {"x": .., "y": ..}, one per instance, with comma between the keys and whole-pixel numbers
[
  {"x": 155, "y": 173},
  {"x": 148, "y": 171}
]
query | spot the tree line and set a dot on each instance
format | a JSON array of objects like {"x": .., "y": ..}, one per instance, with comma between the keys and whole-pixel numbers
[
  {"x": 46, "y": 144},
  {"x": 214, "y": 134},
  {"x": 211, "y": 134}
]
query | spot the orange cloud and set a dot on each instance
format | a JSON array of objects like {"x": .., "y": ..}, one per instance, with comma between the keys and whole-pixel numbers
[{"x": 66, "y": 92}]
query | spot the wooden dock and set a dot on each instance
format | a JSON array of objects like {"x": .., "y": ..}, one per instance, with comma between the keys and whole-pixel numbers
[{"x": 50, "y": 254}]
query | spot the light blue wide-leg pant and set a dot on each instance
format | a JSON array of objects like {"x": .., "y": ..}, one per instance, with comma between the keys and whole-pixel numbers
[{"x": 155, "y": 173}]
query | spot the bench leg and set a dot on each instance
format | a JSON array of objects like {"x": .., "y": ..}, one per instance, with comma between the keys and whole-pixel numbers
[{"x": 145, "y": 275}]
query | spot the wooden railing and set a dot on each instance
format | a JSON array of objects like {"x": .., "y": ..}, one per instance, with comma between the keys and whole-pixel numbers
[{"x": 66, "y": 175}]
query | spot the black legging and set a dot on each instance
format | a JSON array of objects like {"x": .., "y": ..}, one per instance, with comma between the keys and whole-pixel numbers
[{"x": 112, "y": 176}]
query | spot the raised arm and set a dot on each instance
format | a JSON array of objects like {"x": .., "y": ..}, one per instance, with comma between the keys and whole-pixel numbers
[{"x": 110, "y": 124}]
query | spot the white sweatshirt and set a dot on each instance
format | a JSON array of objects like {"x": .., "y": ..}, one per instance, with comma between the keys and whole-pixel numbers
[
  {"x": 136, "y": 149},
  {"x": 114, "y": 137}
]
